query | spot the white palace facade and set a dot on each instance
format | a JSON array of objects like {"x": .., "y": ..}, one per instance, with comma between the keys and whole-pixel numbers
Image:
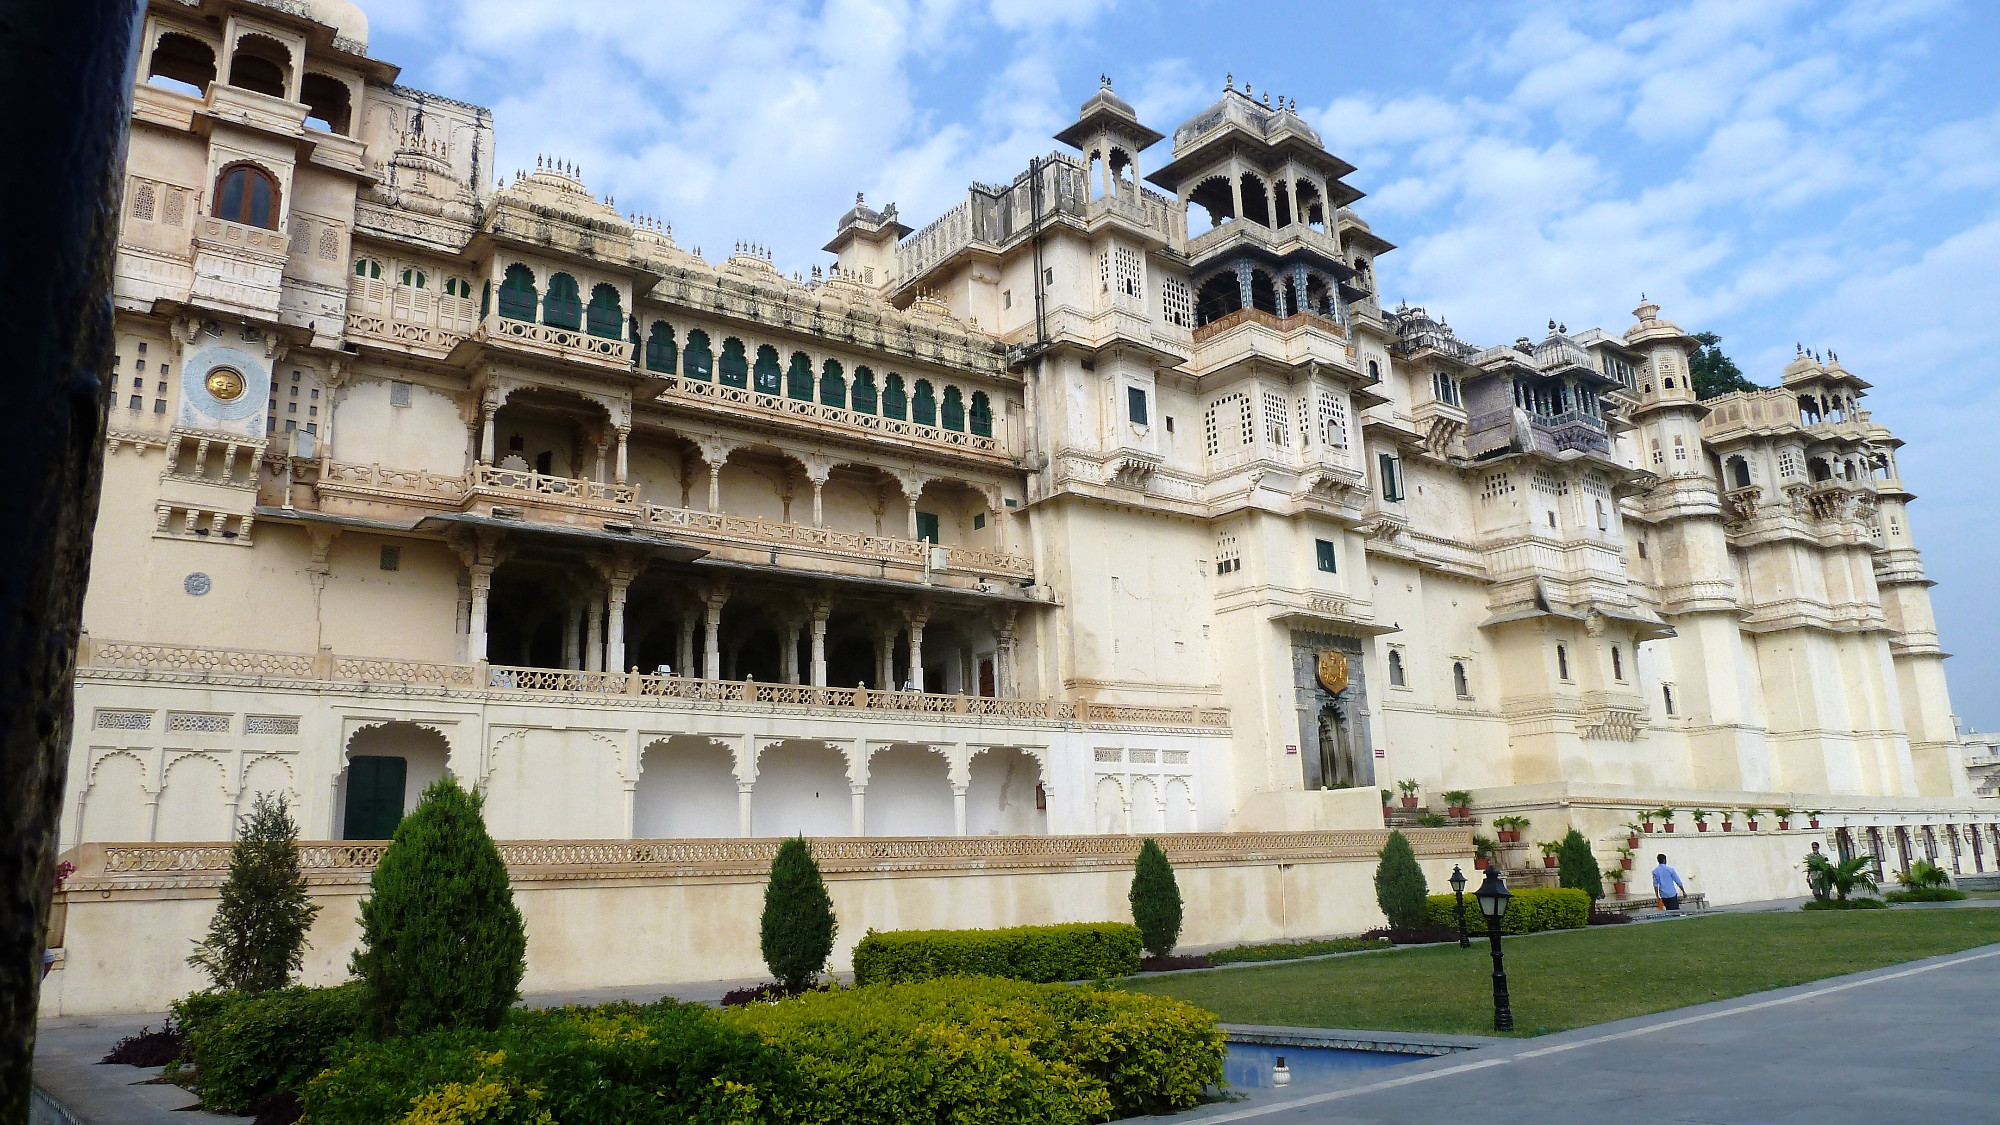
[{"x": 1092, "y": 508}]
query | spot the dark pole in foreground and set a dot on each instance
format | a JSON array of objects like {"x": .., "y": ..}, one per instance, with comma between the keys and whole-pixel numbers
[
  {"x": 1458, "y": 891},
  {"x": 66, "y": 79},
  {"x": 1493, "y": 896}
]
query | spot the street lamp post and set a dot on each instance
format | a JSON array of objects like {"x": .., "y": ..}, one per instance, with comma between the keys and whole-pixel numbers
[
  {"x": 1458, "y": 892},
  {"x": 1493, "y": 895}
]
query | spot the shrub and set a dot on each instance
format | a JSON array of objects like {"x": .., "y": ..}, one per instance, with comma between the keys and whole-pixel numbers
[
  {"x": 1072, "y": 951},
  {"x": 652, "y": 1065},
  {"x": 1576, "y": 867},
  {"x": 252, "y": 1047},
  {"x": 1399, "y": 884},
  {"x": 1530, "y": 910},
  {"x": 798, "y": 928},
  {"x": 1926, "y": 894},
  {"x": 257, "y": 939},
  {"x": 147, "y": 1047},
  {"x": 1845, "y": 904},
  {"x": 979, "y": 1050},
  {"x": 442, "y": 943},
  {"x": 1923, "y": 875},
  {"x": 1156, "y": 900},
  {"x": 1286, "y": 950}
]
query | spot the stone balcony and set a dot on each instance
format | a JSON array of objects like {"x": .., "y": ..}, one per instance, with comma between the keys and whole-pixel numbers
[
  {"x": 546, "y": 341},
  {"x": 120, "y": 660},
  {"x": 1281, "y": 240},
  {"x": 418, "y": 321},
  {"x": 1248, "y": 335},
  {"x": 352, "y": 489},
  {"x": 238, "y": 268},
  {"x": 737, "y": 403}
]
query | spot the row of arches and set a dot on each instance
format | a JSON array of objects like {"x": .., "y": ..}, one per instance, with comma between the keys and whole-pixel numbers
[
  {"x": 195, "y": 797},
  {"x": 562, "y": 306},
  {"x": 1300, "y": 289},
  {"x": 921, "y": 402},
  {"x": 1270, "y": 203},
  {"x": 1142, "y": 805},
  {"x": 1835, "y": 407},
  {"x": 258, "y": 63}
]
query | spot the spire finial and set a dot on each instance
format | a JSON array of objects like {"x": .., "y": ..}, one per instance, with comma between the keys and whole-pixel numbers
[
  {"x": 1104, "y": 80},
  {"x": 1229, "y": 82},
  {"x": 857, "y": 199}
]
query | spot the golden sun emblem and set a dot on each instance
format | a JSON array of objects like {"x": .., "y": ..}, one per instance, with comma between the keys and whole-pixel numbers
[
  {"x": 226, "y": 385},
  {"x": 1332, "y": 671}
]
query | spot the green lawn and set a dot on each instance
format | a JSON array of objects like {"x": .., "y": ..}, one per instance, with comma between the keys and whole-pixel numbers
[{"x": 1568, "y": 980}]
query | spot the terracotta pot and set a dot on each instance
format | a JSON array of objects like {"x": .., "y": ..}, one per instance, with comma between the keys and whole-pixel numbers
[
  {"x": 1387, "y": 812},
  {"x": 1670, "y": 826},
  {"x": 1648, "y": 826},
  {"x": 1728, "y": 826},
  {"x": 1625, "y": 863},
  {"x": 1700, "y": 826},
  {"x": 1632, "y": 841},
  {"x": 1784, "y": 826},
  {"x": 1753, "y": 826},
  {"x": 1409, "y": 802},
  {"x": 1618, "y": 889},
  {"x": 1459, "y": 810},
  {"x": 1548, "y": 861},
  {"x": 1479, "y": 863},
  {"x": 1814, "y": 822}
]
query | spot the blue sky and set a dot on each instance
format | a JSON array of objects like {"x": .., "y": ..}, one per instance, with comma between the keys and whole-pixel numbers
[{"x": 1778, "y": 171}]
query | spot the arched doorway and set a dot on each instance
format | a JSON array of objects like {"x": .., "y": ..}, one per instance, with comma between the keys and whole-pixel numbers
[
  {"x": 389, "y": 766},
  {"x": 1339, "y": 768},
  {"x": 687, "y": 788}
]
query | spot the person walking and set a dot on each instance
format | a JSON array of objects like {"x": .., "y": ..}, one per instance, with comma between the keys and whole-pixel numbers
[{"x": 1667, "y": 885}]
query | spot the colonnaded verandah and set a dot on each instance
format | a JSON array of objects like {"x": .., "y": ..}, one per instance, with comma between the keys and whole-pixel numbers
[{"x": 1089, "y": 508}]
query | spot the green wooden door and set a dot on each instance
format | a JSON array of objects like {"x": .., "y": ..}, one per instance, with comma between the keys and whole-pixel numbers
[
  {"x": 374, "y": 797},
  {"x": 927, "y": 526}
]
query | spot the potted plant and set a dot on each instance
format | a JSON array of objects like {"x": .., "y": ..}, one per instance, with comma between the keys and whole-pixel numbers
[
  {"x": 1812, "y": 818},
  {"x": 1700, "y": 820},
  {"x": 1625, "y": 858},
  {"x": 1750, "y": 818},
  {"x": 1458, "y": 802},
  {"x": 1728, "y": 820},
  {"x": 1551, "y": 851},
  {"x": 1409, "y": 789},
  {"x": 1619, "y": 881},
  {"x": 1388, "y": 796},
  {"x": 1666, "y": 814},
  {"x": 1510, "y": 827},
  {"x": 1784, "y": 819},
  {"x": 1484, "y": 852},
  {"x": 1632, "y": 835}
]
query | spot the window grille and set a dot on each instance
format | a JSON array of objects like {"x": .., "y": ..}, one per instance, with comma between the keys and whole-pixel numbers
[
  {"x": 399, "y": 393},
  {"x": 1274, "y": 418},
  {"x": 1144, "y": 757},
  {"x": 142, "y": 202},
  {"x": 1788, "y": 463},
  {"x": 1546, "y": 482},
  {"x": 1177, "y": 302},
  {"x": 1104, "y": 755},
  {"x": 197, "y": 723},
  {"x": 1174, "y": 757},
  {"x": 124, "y": 720},
  {"x": 1130, "y": 271},
  {"x": 1228, "y": 560},
  {"x": 1496, "y": 485},
  {"x": 1333, "y": 419},
  {"x": 271, "y": 724}
]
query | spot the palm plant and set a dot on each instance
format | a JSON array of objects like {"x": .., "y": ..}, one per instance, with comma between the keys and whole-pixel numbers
[
  {"x": 1839, "y": 878},
  {"x": 1924, "y": 874}
]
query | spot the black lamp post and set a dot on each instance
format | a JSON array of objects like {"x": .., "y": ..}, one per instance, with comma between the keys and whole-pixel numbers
[
  {"x": 1493, "y": 895},
  {"x": 1458, "y": 891}
]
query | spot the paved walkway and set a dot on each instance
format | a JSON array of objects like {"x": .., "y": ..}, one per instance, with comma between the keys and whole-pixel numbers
[{"x": 1912, "y": 1043}]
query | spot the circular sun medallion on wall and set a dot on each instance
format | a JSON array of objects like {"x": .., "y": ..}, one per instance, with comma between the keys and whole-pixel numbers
[
  {"x": 196, "y": 583},
  {"x": 225, "y": 383}
]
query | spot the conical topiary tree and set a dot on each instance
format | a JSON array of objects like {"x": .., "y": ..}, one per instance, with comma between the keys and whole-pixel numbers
[
  {"x": 442, "y": 943},
  {"x": 257, "y": 939},
  {"x": 1577, "y": 867},
  {"x": 798, "y": 928},
  {"x": 1400, "y": 889},
  {"x": 1156, "y": 899}
]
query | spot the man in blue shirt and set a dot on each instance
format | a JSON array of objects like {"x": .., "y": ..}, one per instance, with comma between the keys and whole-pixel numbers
[{"x": 1667, "y": 885}]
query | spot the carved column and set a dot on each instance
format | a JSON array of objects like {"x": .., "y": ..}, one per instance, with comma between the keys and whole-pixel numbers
[
  {"x": 857, "y": 792},
  {"x": 614, "y": 643},
  {"x": 593, "y": 645},
  {"x": 821, "y": 610},
  {"x": 489, "y": 405},
  {"x": 916, "y": 622},
  {"x": 818, "y": 469},
  {"x": 572, "y": 633},
  {"x": 960, "y": 774},
  {"x": 885, "y": 657},
  {"x": 603, "y": 446},
  {"x": 1003, "y": 655},
  {"x": 482, "y": 554},
  {"x": 744, "y": 790},
  {"x": 958, "y": 809},
  {"x": 712, "y": 653},
  {"x": 1242, "y": 269},
  {"x": 624, "y": 435},
  {"x": 788, "y": 651},
  {"x": 685, "y": 657},
  {"x": 714, "y": 453}
]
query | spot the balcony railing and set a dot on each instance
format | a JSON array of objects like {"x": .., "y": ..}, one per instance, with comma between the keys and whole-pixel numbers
[
  {"x": 1269, "y": 320},
  {"x": 556, "y": 488},
  {"x": 401, "y": 314},
  {"x": 209, "y": 664},
  {"x": 744, "y": 400},
  {"x": 567, "y": 343}
]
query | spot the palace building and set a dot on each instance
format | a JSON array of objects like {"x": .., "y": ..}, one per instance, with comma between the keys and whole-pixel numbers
[{"x": 1112, "y": 501}]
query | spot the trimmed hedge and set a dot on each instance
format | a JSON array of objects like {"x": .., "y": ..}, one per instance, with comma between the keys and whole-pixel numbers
[
  {"x": 1530, "y": 910},
  {"x": 658, "y": 1064},
  {"x": 1073, "y": 951},
  {"x": 979, "y": 1050},
  {"x": 1925, "y": 894},
  {"x": 246, "y": 1048},
  {"x": 1845, "y": 904},
  {"x": 1287, "y": 950}
]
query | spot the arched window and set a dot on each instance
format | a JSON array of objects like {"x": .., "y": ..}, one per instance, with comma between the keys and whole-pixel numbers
[
  {"x": 895, "y": 404},
  {"x": 1263, "y": 294},
  {"x": 1374, "y": 371},
  {"x": 765, "y": 376},
  {"x": 261, "y": 65},
  {"x": 734, "y": 370},
  {"x": 923, "y": 404},
  {"x": 485, "y": 299},
  {"x": 1617, "y": 664},
  {"x": 326, "y": 102},
  {"x": 1562, "y": 662},
  {"x": 606, "y": 313},
  {"x": 1256, "y": 200},
  {"x": 1219, "y": 296},
  {"x": 245, "y": 193},
  {"x": 368, "y": 268},
  {"x": 182, "y": 62},
  {"x": 1459, "y": 683},
  {"x": 832, "y": 384},
  {"x": 563, "y": 307},
  {"x": 1397, "y": 677},
  {"x": 799, "y": 377},
  {"x": 953, "y": 411},
  {"x": 660, "y": 347},
  {"x": 414, "y": 278},
  {"x": 1739, "y": 473},
  {"x": 982, "y": 414},
  {"x": 697, "y": 362},
  {"x": 517, "y": 293},
  {"x": 458, "y": 287},
  {"x": 864, "y": 391}
]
